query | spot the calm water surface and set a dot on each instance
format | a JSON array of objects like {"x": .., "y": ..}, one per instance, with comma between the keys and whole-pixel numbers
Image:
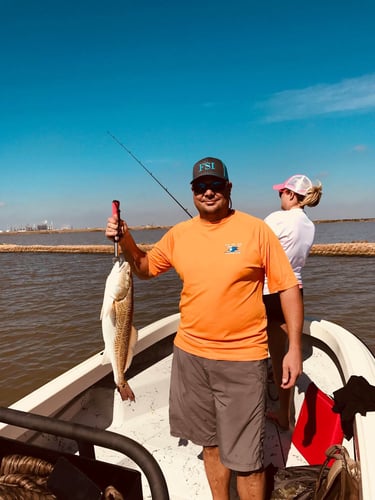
[{"x": 50, "y": 303}]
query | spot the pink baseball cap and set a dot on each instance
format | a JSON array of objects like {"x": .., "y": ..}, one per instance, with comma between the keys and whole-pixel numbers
[{"x": 298, "y": 183}]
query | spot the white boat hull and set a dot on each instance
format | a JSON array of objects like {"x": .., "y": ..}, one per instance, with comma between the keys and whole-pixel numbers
[{"x": 85, "y": 395}]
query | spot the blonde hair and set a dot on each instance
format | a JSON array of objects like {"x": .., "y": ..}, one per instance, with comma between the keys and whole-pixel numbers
[{"x": 312, "y": 197}]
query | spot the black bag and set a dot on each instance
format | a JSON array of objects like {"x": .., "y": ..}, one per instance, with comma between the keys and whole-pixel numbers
[{"x": 342, "y": 480}]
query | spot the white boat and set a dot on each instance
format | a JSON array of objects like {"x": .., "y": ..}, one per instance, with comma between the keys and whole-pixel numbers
[{"x": 84, "y": 404}]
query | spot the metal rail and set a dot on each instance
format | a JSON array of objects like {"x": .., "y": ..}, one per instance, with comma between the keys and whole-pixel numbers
[{"x": 86, "y": 437}]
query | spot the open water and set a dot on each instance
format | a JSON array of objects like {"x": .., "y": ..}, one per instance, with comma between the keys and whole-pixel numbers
[{"x": 50, "y": 303}]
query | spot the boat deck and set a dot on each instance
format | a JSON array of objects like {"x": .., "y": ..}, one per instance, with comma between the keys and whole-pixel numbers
[{"x": 146, "y": 421}]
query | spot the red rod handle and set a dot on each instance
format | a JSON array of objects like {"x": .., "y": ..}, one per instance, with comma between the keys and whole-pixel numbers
[
  {"x": 116, "y": 208},
  {"x": 116, "y": 211}
]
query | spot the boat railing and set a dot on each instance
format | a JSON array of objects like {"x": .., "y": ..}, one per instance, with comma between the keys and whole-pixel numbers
[
  {"x": 51, "y": 397},
  {"x": 86, "y": 437},
  {"x": 354, "y": 358}
]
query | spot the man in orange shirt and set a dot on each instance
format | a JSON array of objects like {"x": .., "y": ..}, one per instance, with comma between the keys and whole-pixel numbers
[{"x": 217, "y": 394}]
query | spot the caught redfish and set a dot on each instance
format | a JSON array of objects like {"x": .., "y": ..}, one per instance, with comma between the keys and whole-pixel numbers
[{"x": 119, "y": 334}]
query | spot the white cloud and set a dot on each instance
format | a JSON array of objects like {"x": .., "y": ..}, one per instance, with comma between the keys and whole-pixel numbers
[
  {"x": 359, "y": 148},
  {"x": 353, "y": 94}
]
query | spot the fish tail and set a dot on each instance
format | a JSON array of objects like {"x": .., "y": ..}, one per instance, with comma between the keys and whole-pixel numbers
[{"x": 126, "y": 392}]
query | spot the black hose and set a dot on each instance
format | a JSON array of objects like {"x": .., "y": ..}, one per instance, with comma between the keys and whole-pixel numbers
[{"x": 106, "y": 439}]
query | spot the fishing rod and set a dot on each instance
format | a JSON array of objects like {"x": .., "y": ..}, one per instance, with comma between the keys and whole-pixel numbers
[{"x": 150, "y": 173}]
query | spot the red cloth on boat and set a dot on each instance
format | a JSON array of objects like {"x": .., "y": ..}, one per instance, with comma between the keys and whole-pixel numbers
[{"x": 357, "y": 396}]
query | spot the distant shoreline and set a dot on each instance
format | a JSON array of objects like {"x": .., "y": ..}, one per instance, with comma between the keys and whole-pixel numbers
[
  {"x": 152, "y": 227},
  {"x": 324, "y": 221},
  {"x": 81, "y": 230}
]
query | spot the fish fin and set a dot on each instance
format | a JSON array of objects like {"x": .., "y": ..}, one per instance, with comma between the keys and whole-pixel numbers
[
  {"x": 132, "y": 342},
  {"x": 126, "y": 392},
  {"x": 112, "y": 312},
  {"x": 108, "y": 310},
  {"x": 105, "y": 358}
]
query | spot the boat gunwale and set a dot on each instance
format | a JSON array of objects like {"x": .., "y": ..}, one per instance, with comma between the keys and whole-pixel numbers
[
  {"x": 48, "y": 399},
  {"x": 350, "y": 354}
]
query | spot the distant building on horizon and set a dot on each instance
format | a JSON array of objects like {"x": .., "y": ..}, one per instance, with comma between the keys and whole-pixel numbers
[{"x": 43, "y": 226}]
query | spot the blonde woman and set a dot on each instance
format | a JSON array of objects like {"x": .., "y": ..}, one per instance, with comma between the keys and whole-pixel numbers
[{"x": 296, "y": 234}]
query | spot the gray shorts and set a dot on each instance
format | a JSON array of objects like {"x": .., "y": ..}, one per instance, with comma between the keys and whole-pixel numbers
[{"x": 220, "y": 403}]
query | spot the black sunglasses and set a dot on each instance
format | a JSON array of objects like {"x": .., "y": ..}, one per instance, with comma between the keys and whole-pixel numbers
[{"x": 216, "y": 186}]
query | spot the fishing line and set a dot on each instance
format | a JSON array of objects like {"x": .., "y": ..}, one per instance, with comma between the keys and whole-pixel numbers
[{"x": 150, "y": 173}]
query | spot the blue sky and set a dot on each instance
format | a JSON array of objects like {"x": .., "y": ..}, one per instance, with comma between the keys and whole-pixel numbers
[{"x": 273, "y": 88}]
